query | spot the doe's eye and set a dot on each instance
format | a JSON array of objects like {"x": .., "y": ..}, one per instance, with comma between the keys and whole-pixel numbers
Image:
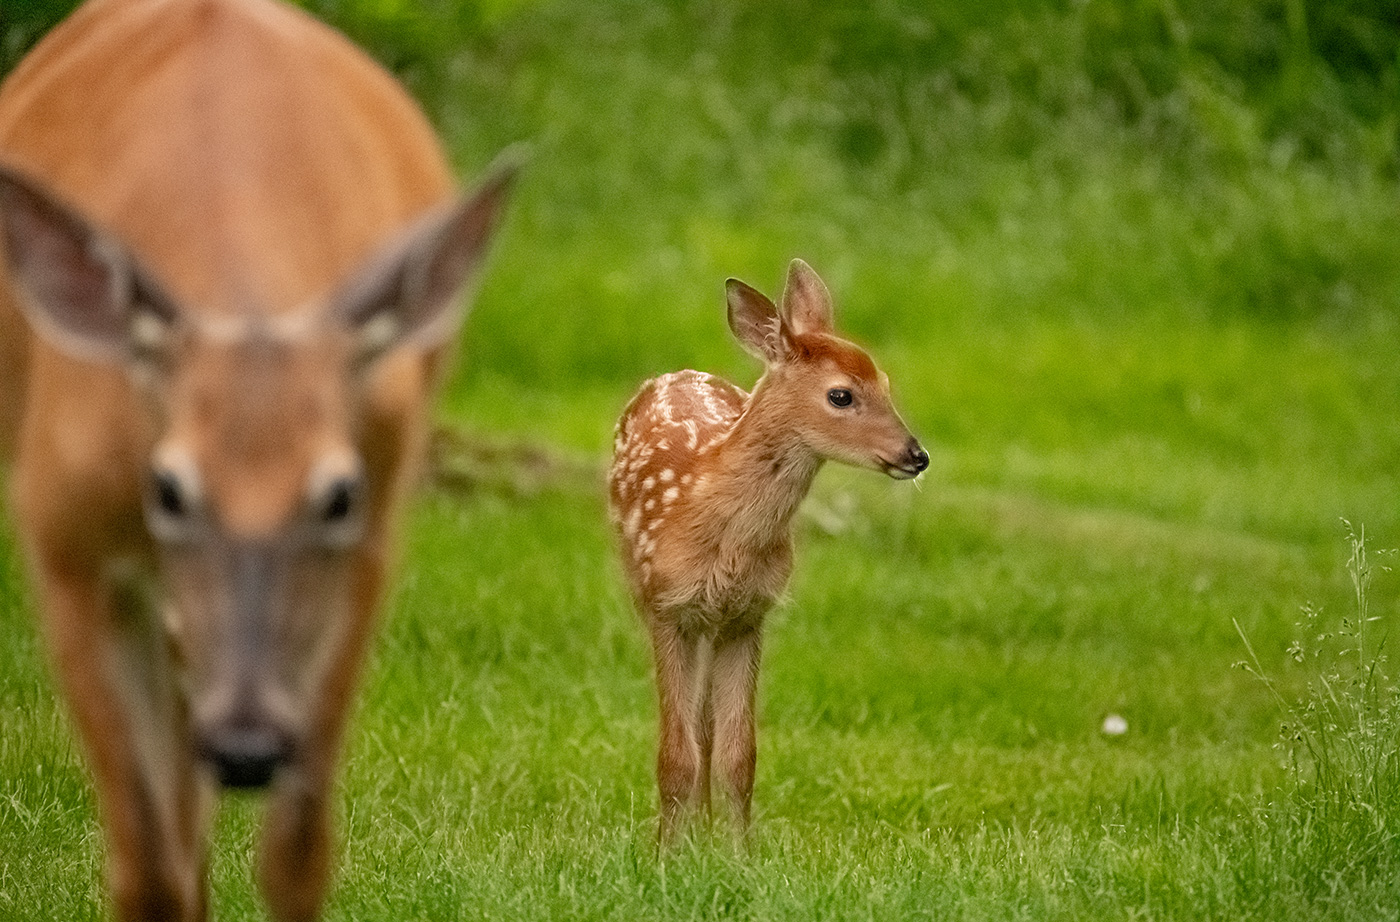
[
  {"x": 340, "y": 502},
  {"x": 169, "y": 497},
  {"x": 839, "y": 397}
]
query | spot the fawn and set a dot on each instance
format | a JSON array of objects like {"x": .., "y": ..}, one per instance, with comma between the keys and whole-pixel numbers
[{"x": 703, "y": 486}]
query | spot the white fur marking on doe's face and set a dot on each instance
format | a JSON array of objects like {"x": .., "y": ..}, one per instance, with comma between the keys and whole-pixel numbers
[
  {"x": 379, "y": 332},
  {"x": 286, "y": 328},
  {"x": 147, "y": 331}
]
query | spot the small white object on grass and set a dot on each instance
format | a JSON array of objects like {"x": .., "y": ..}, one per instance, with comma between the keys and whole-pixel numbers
[{"x": 1114, "y": 725}]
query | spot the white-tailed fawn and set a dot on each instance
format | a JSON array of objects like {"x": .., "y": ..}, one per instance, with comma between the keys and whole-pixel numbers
[{"x": 703, "y": 486}]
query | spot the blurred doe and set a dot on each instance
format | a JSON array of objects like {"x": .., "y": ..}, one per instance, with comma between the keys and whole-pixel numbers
[
  {"x": 233, "y": 255},
  {"x": 703, "y": 486}
]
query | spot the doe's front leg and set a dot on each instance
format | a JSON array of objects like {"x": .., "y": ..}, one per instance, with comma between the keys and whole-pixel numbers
[
  {"x": 295, "y": 863},
  {"x": 298, "y": 837},
  {"x": 112, "y": 664}
]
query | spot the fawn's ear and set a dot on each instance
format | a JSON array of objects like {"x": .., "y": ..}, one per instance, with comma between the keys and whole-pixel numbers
[
  {"x": 410, "y": 290},
  {"x": 754, "y": 320},
  {"x": 80, "y": 288},
  {"x": 806, "y": 302}
]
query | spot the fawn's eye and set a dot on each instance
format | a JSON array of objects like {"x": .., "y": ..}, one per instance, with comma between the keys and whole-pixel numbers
[
  {"x": 168, "y": 495},
  {"x": 839, "y": 397}
]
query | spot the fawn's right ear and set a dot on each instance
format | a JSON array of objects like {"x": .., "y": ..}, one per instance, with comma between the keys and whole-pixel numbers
[
  {"x": 755, "y": 322},
  {"x": 80, "y": 288}
]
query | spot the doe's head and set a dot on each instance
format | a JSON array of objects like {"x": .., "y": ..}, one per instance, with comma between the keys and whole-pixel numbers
[
  {"x": 272, "y": 466},
  {"x": 832, "y": 392}
]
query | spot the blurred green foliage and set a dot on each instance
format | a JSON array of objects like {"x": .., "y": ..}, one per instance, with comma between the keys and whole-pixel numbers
[
  {"x": 1315, "y": 74},
  {"x": 22, "y": 22},
  {"x": 1181, "y": 158}
]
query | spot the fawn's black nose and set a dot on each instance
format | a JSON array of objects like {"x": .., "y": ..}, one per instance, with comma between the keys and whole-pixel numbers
[
  {"x": 244, "y": 757},
  {"x": 918, "y": 457}
]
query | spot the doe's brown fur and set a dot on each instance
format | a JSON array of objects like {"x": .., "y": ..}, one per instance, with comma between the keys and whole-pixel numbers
[{"x": 231, "y": 257}]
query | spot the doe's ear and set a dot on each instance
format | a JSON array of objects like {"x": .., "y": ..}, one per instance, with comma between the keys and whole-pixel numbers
[
  {"x": 754, "y": 320},
  {"x": 409, "y": 290},
  {"x": 80, "y": 287},
  {"x": 806, "y": 302}
]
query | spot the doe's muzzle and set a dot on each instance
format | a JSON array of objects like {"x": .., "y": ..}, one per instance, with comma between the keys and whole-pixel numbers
[{"x": 244, "y": 755}]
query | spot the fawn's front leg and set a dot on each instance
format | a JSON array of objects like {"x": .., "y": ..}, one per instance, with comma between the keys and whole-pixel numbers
[
  {"x": 682, "y": 740},
  {"x": 733, "y": 687}
]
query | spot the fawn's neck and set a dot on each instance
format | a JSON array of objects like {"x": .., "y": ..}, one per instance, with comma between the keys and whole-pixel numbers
[{"x": 765, "y": 471}]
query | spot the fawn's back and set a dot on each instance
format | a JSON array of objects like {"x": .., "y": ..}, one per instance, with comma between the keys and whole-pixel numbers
[{"x": 667, "y": 466}]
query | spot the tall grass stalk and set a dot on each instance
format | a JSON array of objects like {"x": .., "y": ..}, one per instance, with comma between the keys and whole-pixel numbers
[{"x": 1339, "y": 815}]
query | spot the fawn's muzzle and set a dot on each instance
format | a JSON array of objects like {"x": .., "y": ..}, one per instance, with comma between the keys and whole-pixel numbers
[
  {"x": 917, "y": 457},
  {"x": 912, "y": 462}
]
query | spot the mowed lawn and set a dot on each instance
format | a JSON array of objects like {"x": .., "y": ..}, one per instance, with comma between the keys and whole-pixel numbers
[{"x": 1153, "y": 357}]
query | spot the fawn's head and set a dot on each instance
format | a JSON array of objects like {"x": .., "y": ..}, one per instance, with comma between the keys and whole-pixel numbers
[
  {"x": 830, "y": 389},
  {"x": 268, "y": 460}
]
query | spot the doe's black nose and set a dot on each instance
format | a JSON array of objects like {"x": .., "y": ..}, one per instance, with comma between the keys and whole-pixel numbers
[{"x": 245, "y": 758}]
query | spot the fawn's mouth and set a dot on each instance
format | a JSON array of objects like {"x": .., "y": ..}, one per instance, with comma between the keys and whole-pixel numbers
[{"x": 900, "y": 471}]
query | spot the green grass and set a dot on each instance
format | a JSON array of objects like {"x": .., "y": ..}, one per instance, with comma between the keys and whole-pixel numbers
[
  {"x": 1131, "y": 268},
  {"x": 930, "y": 740}
]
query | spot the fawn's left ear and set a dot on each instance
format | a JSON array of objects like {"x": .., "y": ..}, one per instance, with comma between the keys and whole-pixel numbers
[
  {"x": 806, "y": 302},
  {"x": 754, "y": 320}
]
